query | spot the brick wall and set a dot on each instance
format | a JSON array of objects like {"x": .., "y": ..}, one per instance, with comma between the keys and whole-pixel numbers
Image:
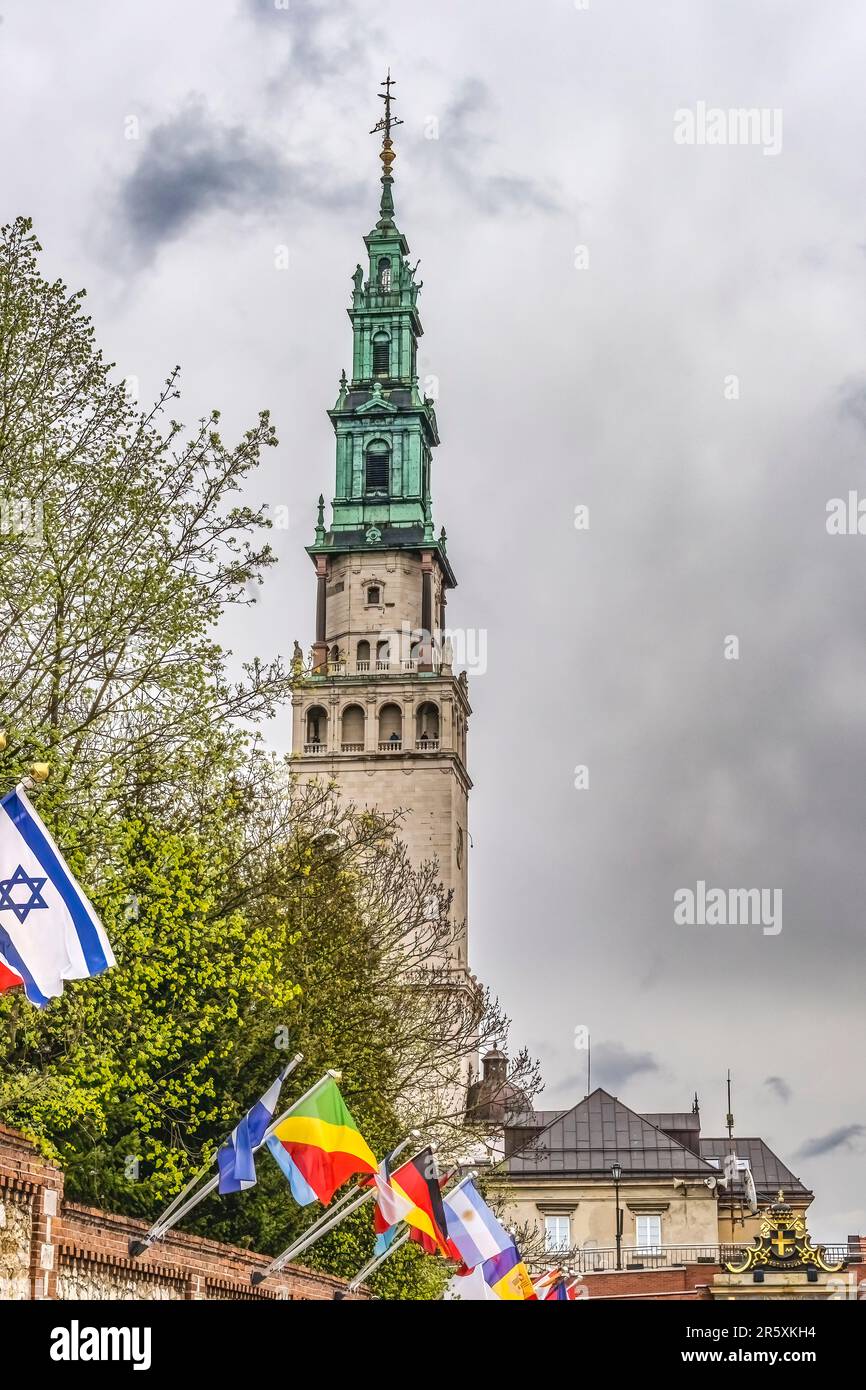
[
  {"x": 51, "y": 1248},
  {"x": 690, "y": 1282}
]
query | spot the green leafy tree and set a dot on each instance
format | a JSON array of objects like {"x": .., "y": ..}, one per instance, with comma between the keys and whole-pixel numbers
[
  {"x": 251, "y": 918},
  {"x": 137, "y": 542}
]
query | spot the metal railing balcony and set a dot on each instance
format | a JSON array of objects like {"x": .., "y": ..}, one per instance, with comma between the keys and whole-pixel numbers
[
  {"x": 646, "y": 1257},
  {"x": 634, "y": 1257}
]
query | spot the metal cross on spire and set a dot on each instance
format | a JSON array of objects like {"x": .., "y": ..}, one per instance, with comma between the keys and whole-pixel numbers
[
  {"x": 387, "y": 121},
  {"x": 387, "y": 155}
]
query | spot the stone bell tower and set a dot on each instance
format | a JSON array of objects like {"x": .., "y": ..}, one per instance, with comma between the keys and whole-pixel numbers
[{"x": 382, "y": 713}]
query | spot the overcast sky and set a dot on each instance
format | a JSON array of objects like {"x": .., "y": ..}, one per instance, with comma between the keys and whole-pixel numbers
[{"x": 606, "y": 385}]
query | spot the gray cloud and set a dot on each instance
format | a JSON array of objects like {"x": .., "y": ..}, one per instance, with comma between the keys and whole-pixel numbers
[
  {"x": 613, "y": 1065},
  {"x": 193, "y": 164},
  {"x": 466, "y": 156},
  {"x": 779, "y": 1087},
  {"x": 324, "y": 39},
  {"x": 841, "y": 1138},
  {"x": 852, "y": 395}
]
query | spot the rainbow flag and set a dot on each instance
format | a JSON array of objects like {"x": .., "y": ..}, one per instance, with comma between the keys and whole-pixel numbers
[{"x": 324, "y": 1143}]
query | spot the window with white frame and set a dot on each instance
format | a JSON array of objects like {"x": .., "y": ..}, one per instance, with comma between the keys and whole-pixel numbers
[
  {"x": 557, "y": 1234},
  {"x": 648, "y": 1232}
]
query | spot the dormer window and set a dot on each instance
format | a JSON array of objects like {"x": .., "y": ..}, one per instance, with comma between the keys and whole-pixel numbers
[
  {"x": 381, "y": 354},
  {"x": 384, "y": 273},
  {"x": 378, "y": 469}
]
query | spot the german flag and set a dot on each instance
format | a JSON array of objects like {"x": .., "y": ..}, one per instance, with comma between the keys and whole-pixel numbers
[
  {"x": 417, "y": 1186},
  {"x": 324, "y": 1142}
]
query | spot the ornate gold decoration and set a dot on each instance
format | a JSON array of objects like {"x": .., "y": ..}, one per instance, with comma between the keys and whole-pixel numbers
[
  {"x": 386, "y": 125},
  {"x": 783, "y": 1243}
]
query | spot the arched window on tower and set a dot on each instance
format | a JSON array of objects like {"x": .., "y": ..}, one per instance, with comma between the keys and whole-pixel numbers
[
  {"x": 384, "y": 272},
  {"x": 377, "y": 474},
  {"x": 381, "y": 354},
  {"x": 390, "y": 729},
  {"x": 353, "y": 729},
  {"x": 316, "y": 740},
  {"x": 427, "y": 728},
  {"x": 363, "y": 659}
]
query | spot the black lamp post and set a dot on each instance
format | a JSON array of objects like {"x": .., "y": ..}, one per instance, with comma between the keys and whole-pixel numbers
[{"x": 616, "y": 1174}]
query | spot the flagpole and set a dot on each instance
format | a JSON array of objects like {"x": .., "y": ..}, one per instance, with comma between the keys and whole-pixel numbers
[
  {"x": 461, "y": 1183},
  {"x": 175, "y": 1212},
  {"x": 374, "y": 1264},
  {"x": 322, "y": 1229},
  {"x": 327, "y": 1221},
  {"x": 395, "y": 1245}
]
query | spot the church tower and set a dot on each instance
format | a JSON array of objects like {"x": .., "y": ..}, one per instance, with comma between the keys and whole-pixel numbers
[{"x": 382, "y": 712}]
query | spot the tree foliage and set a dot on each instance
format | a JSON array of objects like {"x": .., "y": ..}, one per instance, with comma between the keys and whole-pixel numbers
[
  {"x": 138, "y": 543},
  {"x": 252, "y": 918}
]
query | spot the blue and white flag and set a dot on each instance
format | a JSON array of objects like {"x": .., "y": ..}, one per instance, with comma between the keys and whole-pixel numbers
[
  {"x": 301, "y": 1190},
  {"x": 49, "y": 932},
  {"x": 472, "y": 1226},
  {"x": 235, "y": 1160}
]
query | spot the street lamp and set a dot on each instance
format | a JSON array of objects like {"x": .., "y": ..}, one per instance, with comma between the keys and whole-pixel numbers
[{"x": 616, "y": 1174}]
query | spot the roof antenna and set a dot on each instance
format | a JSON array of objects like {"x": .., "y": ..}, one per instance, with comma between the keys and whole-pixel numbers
[
  {"x": 588, "y": 1062},
  {"x": 732, "y": 1162}
]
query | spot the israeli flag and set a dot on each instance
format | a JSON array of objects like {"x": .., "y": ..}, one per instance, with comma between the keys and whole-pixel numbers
[
  {"x": 49, "y": 933},
  {"x": 235, "y": 1160}
]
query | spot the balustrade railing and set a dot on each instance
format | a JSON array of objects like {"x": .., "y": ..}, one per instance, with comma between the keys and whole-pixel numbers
[
  {"x": 379, "y": 667},
  {"x": 588, "y": 1261}
]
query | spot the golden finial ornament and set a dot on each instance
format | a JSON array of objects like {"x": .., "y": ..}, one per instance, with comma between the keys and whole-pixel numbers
[{"x": 387, "y": 154}]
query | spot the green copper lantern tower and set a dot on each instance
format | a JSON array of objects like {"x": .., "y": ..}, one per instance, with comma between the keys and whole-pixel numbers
[
  {"x": 382, "y": 713},
  {"x": 385, "y": 429}
]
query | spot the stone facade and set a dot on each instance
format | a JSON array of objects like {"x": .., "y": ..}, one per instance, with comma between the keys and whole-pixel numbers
[
  {"x": 16, "y": 1239},
  {"x": 51, "y": 1248},
  {"x": 688, "y": 1213}
]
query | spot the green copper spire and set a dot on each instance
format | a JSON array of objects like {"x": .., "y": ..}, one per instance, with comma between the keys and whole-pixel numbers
[{"x": 385, "y": 427}]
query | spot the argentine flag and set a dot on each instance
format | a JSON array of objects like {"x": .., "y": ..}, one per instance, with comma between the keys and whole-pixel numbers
[
  {"x": 472, "y": 1226},
  {"x": 49, "y": 933}
]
